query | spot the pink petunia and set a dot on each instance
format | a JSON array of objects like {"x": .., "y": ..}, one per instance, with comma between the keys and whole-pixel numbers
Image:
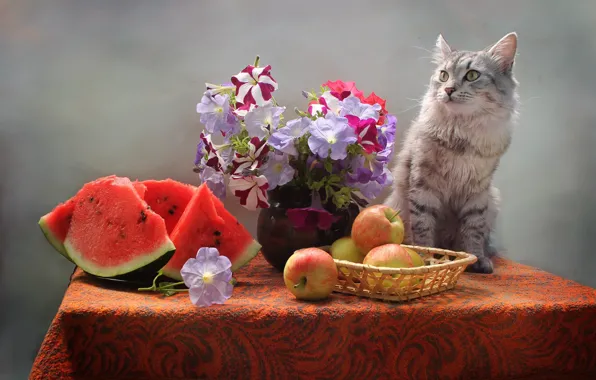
[
  {"x": 366, "y": 132},
  {"x": 252, "y": 190},
  {"x": 340, "y": 86},
  {"x": 313, "y": 217},
  {"x": 254, "y": 85}
]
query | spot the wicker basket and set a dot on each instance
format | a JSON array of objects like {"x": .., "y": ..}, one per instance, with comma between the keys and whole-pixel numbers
[{"x": 441, "y": 272}]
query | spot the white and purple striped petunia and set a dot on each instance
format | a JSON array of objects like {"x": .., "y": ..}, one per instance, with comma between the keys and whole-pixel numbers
[
  {"x": 252, "y": 190},
  {"x": 254, "y": 85}
]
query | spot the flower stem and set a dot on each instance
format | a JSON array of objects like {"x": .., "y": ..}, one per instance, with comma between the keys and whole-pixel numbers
[
  {"x": 152, "y": 288},
  {"x": 257, "y": 61},
  {"x": 171, "y": 285}
]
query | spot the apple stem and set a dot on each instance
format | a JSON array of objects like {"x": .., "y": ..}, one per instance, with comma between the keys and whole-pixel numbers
[
  {"x": 394, "y": 215},
  {"x": 301, "y": 283}
]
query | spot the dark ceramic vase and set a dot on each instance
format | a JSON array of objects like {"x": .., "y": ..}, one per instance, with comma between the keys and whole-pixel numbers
[{"x": 279, "y": 238}]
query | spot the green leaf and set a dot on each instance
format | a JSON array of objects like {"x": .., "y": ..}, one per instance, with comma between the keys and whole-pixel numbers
[
  {"x": 169, "y": 292},
  {"x": 328, "y": 165}
]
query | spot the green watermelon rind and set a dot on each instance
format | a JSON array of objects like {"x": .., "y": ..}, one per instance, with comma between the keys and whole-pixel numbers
[
  {"x": 51, "y": 238},
  {"x": 244, "y": 258},
  {"x": 142, "y": 260},
  {"x": 247, "y": 255}
]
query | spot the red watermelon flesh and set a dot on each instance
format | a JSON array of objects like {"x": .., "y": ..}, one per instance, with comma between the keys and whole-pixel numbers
[
  {"x": 168, "y": 198},
  {"x": 56, "y": 223},
  {"x": 113, "y": 232},
  {"x": 206, "y": 223}
]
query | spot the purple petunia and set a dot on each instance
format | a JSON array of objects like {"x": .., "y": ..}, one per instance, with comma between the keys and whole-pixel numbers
[
  {"x": 208, "y": 277},
  {"x": 216, "y": 114},
  {"x": 284, "y": 138},
  {"x": 278, "y": 170},
  {"x": 200, "y": 152},
  {"x": 386, "y": 132},
  {"x": 353, "y": 106},
  {"x": 330, "y": 136},
  {"x": 215, "y": 181},
  {"x": 262, "y": 120},
  {"x": 374, "y": 187}
]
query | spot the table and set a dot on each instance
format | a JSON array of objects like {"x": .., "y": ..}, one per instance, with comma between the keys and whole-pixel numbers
[{"x": 520, "y": 322}]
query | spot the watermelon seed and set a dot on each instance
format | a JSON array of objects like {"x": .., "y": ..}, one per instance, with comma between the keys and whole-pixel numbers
[
  {"x": 174, "y": 207},
  {"x": 122, "y": 235},
  {"x": 165, "y": 199},
  {"x": 91, "y": 200},
  {"x": 171, "y": 211},
  {"x": 217, "y": 243},
  {"x": 143, "y": 217},
  {"x": 217, "y": 233}
]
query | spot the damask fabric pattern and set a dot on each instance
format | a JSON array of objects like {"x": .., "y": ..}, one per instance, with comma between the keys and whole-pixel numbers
[{"x": 519, "y": 323}]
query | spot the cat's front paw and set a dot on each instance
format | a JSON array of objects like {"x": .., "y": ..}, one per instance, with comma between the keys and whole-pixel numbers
[{"x": 483, "y": 265}]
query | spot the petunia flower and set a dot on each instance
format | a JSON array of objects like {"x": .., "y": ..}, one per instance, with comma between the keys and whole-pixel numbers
[
  {"x": 313, "y": 217},
  {"x": 373, "y": 188},
  {"x": 330, "y": 136},
  {"x": 370, "y": 162},
  {"x": 386, "y": 132},
  {"x": 216, "y": 114},
  {"x": 284, "y": 139},
  {"x": 278, "y": 170},
  {"x": 257, "y": 151},
  {"x": 339, "y": 87},
  {"x": 208, "y": 277},
  {"x": 254, "y": 85},
  {"x": 242, "y": 110},
  {"x": 262, "y": 120},
  {"x": 213, "y": 159},
  {"x": 366, "y": 132},
  {"x": 353, "y": 106},
  {"x": 200, "y": 152},
  {"x": 373, "y": 99},
  {"x": 328, "y": 101},
  {"x": 215, "y": 181},
  {"x": 252, "y": 190}
]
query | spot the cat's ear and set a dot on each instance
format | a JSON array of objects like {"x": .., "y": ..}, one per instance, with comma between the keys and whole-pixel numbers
[
  {"x": 504, "y": 51},
  {"x": 442, "y": 49}
]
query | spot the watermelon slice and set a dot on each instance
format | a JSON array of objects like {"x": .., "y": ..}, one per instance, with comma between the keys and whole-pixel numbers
[
  {"x": 168, "y": 198},
  {"x": 113, "y": 232},
  {"x": 206, "y": 223},
  {"x": 56, "y": 223}
]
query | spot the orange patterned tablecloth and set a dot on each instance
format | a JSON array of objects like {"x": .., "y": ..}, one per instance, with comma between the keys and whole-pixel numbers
[{"x": 517, "y": 323}]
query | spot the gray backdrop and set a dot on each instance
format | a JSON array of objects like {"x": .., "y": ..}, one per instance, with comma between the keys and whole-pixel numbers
[{"x": 89, "y": 88}]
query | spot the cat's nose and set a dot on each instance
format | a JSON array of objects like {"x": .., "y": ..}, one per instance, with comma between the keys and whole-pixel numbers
[{"x": 449, "y": 90}]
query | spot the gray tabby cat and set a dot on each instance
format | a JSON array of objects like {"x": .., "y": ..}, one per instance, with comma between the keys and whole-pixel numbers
[{"x": 444, "y": 170}]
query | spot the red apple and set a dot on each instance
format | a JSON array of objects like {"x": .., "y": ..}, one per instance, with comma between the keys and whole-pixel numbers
[
  {"x": 375, "y": 226},
  {"x": 310, "y": 274},
  {"x": 394, "y": 256}
]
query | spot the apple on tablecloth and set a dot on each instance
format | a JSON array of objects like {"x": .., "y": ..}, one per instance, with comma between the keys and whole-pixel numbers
[{"x": 310, "y": 274}]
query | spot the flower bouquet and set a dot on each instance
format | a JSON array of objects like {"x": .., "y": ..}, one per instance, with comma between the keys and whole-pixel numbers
[{"x": 315, "y": 166}]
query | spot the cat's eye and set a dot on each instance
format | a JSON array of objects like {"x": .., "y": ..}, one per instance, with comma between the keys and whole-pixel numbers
[
  {"x": 472, "y": 75},
  {"x": 443, "y": 76}
]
